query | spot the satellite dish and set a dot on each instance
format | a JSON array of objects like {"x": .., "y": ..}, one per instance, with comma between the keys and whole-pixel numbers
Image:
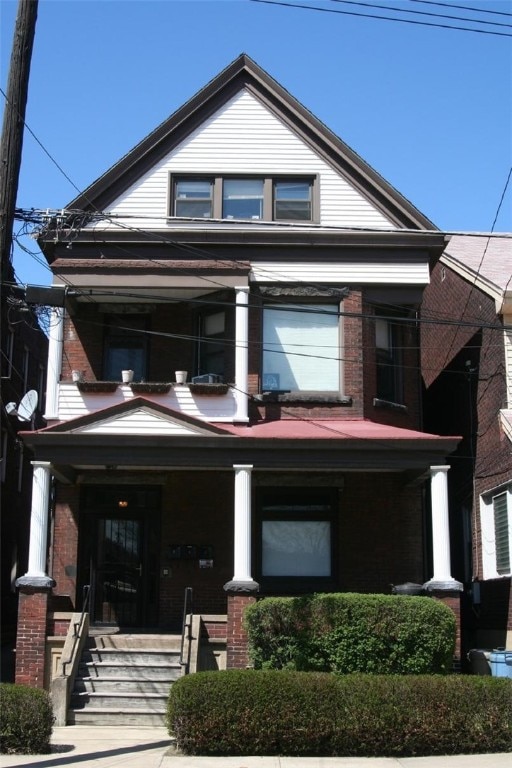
[{"x": 27, "y": 405}]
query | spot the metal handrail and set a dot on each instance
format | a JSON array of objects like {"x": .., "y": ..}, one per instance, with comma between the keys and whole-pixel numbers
[
  {"x": 186, "y": 624},
  {"x": 77, "y": 625}
]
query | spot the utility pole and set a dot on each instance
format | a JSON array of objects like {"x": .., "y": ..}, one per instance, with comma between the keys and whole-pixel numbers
[{"x": 11, "y": 143}]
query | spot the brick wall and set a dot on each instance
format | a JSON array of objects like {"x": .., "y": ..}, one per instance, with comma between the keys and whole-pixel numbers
[
  {"x": 237, "y": 657},
  {"x": 31, "y": 637},
  {"x": 65, "y": 537}
]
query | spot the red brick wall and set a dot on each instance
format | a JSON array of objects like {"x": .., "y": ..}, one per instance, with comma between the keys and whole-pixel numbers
[
  {"x": 65, "y": 538},
  {"x": 237, "y": 657},
  {"x": 31, "y": 637}
]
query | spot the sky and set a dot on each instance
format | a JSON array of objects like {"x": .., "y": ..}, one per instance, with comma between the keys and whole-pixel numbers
[{"x": 429, "y": 108}]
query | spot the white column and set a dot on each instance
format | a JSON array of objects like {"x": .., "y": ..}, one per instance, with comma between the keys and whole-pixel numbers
[
  {"x": 54, "y": 364},
  {"x": 442, "y": 578},
  {"x": 36, "y": 573},
  {"x": 242, "y": 559},
  {"x": 242, "y": 354}
]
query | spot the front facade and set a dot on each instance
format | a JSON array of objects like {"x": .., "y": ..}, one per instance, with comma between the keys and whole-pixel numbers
[
  {"x": 246, "y": 245},
  {"x": 467, "y": 371}
]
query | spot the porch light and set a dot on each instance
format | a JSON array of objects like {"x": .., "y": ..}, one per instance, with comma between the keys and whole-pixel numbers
[{"x": 122, "y": 503}]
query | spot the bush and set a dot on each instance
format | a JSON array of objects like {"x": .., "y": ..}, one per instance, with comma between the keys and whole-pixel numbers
[
  {"x": 26, "y": 720},
  {"x": 249, "y": 712},
  {"x": 342, "y": 633}
]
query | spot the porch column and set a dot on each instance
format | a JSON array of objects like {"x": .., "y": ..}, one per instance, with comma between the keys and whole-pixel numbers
[
  {"x": 54, "y": 364},
  {"x": 242, "y": 354},
  {"x": 36, "y": 575},
  {"x": 442, "y": 578},
  {"x": 242, "y": 588}
]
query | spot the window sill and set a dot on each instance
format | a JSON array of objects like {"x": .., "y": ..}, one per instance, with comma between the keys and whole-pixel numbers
[
  {"x": 390, "y": 406},
  {"x": 319, "y": 398}
]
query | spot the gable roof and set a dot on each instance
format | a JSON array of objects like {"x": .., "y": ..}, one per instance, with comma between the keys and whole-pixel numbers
[
  {"x": 244, "y": 73},
  {"x": 485, "y": 261}
]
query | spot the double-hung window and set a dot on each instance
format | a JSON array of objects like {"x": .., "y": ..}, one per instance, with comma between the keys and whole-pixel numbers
[
  {"x": 242, "y": 199},
  {"x": 292, "y": 200},
  {"x": 301, "y": 348},
  {"x": 212, "y": 344},
  {"x": 126, "y": 346},
  {"x": 389, "y": 346},
  {"x": 193, "y": 198}
]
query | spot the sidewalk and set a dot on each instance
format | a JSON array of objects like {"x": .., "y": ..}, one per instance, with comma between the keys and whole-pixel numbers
[{"x": 79, "y": 746}]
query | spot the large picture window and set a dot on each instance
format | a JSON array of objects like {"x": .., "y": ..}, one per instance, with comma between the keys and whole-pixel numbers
[
  {"x": 301, "y": 348},
  {"x": 296, "y": 537}
]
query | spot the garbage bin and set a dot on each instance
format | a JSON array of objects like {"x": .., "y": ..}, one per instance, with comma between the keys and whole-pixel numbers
[
  {"x": 501, "y": 663},
  {"x": 479, "y": 661}
]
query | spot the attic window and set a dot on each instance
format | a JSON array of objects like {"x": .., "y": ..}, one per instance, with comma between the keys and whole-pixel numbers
[{"x": 260, "y": 198}]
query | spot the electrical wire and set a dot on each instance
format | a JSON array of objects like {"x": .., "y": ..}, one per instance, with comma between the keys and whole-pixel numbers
[
  {"x": 381, "y": 18},
  {"x": 420, "y": 13}
]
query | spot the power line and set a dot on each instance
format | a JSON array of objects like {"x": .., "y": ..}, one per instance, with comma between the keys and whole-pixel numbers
[
  {"x": 462, "y": 7},
  {"x": 382, "y": 18},
  {"x": 420, "y": 13}
]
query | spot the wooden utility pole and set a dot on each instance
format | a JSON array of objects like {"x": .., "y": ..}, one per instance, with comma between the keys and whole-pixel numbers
[{"x": 11, "y": 143}]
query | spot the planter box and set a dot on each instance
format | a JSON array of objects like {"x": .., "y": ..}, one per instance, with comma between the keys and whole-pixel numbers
[
  {"x": 97, "y": 386},
  {"x": 150, "y": 387},
  {"x": 209, "y": 389}
]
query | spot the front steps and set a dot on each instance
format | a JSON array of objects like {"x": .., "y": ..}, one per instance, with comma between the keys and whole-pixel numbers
[{"x": 124, "y": 679}]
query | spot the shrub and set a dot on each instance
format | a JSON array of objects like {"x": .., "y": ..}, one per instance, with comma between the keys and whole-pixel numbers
[
  {"x": 26, "y": 720},
  {"x": 342, "y": 633},
  {"x": 249, "y": 712}
]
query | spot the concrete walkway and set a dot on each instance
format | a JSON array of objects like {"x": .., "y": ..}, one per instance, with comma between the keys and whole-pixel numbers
[{"x": 80, "y": 746}]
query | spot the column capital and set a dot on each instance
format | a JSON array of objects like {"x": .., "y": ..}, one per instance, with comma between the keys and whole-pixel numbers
[
  {"x": 242, "y": 288},
  {"x": 248, "y": 467},
  {"x": 440, "y": 468},
  {"x": 41, "y": 464}
]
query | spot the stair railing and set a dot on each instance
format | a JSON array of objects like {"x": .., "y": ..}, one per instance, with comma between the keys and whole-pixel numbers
[
  {"x": 186, "y": 630},
  {"x": 62, "y": 684}
]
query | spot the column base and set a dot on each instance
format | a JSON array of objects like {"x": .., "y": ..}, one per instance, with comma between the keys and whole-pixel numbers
[
  {"x": 436, "y": 585},
  {"x": 39, "y": 582},
  {"x": 235, "y": 587}
]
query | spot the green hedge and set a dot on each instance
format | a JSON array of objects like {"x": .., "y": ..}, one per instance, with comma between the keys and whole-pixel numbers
[
  {"x": 26, "y": 720},
  {"x": 342, "y": 633},
  {"x": 250, "y": 712}
]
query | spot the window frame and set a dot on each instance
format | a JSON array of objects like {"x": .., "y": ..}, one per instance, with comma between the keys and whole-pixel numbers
[
  {"x": 319, "y": 303},
  {"x": 136, "y": 338},
  {"x": 206, "y": 342},
  {"x": 301, "y": 496},
  {"x": 389, "y": 362},
  {"x": 269, "y": 180},
  {"x": 490, "y": 555}
]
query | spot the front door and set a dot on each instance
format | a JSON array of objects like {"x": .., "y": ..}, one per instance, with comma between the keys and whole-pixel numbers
[
  {"x": 118, "y": 583},
  {"x": 119, "y": 554}
]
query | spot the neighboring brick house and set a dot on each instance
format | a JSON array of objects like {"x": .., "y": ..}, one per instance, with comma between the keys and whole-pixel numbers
[
  {"x": 24, "y": 355},
  {"x": 467, "y": 371},
  {"x": 244, "y": 243}
]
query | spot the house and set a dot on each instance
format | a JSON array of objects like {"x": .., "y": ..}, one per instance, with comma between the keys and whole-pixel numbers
[
  {"x": 467, "y": 372},
  {"x": 23, "y": 366},
  {"x": 241, "y": 242}
]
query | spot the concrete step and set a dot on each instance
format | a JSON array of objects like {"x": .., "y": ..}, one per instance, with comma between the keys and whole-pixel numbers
[
  {"x": 119, "y": 684},
  {"x": 121, "y": 700},
  {"x": 112, "y": 670},
  {"x": 131, "y": 656},
  {"x": 139, "y": 641},
  {"x": 96, "y": 716}
]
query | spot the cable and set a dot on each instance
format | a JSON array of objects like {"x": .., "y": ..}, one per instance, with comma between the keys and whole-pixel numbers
[
  {"x": 382, "y": 18},
  {"x": 462, "y": 7},
  {"x": 420, "y": 13}
]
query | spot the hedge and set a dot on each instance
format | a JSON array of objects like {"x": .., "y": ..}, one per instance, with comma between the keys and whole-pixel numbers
[
  {"x": 250, "y": 712},
  {"x": 26, "y": 720},
  {"x": 346, "y": 632}
]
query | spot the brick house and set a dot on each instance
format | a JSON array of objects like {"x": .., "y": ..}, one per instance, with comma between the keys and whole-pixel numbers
[
  {"x": 246, "y": 244},
  {"x": 467, "y": 371}
]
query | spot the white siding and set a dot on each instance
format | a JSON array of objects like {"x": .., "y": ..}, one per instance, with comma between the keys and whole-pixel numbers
[
  {"x": 345, "y": 273},
  {"x": 245, "y": 137},
  {"x": 219, "y": 408}
]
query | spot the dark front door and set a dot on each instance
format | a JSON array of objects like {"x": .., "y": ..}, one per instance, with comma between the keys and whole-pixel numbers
[
  {"x": 118, "y": 587},
  {"x": 119, "y": 553}
]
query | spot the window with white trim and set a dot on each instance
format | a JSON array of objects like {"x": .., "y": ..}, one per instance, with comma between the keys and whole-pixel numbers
[
  {"x": 301, "y": 348},
  {"x": 260, "y": 198},
  {"x": 496, "y": 527}
]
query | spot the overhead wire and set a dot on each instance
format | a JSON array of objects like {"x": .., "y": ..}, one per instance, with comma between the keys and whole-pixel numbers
[{"x": 395, "y": 19}]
